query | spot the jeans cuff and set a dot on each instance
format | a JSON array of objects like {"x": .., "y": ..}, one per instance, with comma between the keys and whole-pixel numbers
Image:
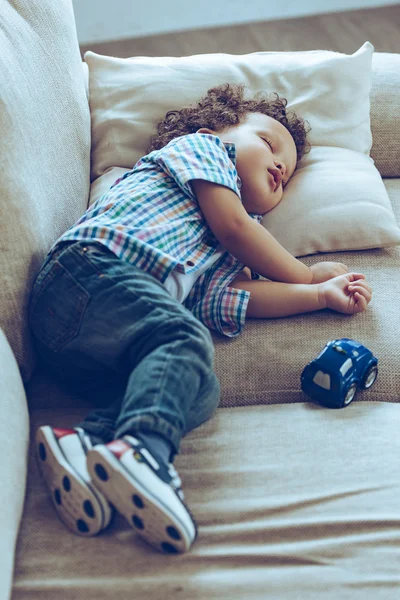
[
  {"x": 97, "y": 433},
  {"x": 152, "y": 424}
]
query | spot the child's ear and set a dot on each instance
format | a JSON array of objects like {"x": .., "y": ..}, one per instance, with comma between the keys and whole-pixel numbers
[{"x": 206, "y": 130}]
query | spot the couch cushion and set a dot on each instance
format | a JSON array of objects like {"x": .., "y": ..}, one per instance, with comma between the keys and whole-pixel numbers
[
  {"x": 14, "y": 430},
  {"x": 44, "y": 149},
  {"x": 292, "y": 502},
  {"x": 264, "y": 365},
  {"x": 385, "y": 113}
]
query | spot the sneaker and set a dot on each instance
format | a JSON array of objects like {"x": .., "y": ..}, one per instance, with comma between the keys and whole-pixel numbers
[
  {"x": 145, "y": 490},
  {"x": 61, "y": 456}
]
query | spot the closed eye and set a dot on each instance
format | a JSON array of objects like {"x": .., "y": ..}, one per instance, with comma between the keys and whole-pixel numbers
[{"x": 269, "y": 143}]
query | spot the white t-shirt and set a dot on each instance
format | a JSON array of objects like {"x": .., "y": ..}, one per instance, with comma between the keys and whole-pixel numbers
[{"x": 179, "y": 285}]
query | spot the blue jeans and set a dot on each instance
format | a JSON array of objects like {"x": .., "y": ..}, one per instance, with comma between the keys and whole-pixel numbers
[{"x": 112, "y": 333}]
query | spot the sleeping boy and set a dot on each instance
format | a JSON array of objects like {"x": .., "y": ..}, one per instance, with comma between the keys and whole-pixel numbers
[{"x": 123, "y": 304}]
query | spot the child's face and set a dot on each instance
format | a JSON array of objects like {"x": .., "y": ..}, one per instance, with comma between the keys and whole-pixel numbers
[{"x": 266, "y": 158}]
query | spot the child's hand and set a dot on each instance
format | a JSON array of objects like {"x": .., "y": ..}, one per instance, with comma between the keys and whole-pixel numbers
[
  {"x": 323, "y": 271},
  {"x": 347, "y": 294}
]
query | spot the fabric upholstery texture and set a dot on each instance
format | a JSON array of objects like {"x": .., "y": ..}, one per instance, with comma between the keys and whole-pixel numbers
[
  {"x": 44, "y": 150},
  {"x": 291, "y": 503},
  {"x": 385, "y": 113},
  {"x": 14, "y": 431},
  {"x": 273, "y": 352}
]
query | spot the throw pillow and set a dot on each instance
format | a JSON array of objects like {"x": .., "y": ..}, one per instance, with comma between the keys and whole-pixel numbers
[{"x": 128, "y": 97}]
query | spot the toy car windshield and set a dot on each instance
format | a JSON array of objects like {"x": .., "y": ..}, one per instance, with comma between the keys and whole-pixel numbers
[{"x": 339, "y": 349}]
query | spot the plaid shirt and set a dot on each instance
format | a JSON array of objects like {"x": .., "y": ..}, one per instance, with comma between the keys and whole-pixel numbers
[{"x": 151, "y": 218}]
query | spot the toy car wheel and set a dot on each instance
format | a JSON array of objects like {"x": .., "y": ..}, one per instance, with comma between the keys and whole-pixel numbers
[
  {"x": 369, "y": 377},
  {"x": 351, "y": 392}
]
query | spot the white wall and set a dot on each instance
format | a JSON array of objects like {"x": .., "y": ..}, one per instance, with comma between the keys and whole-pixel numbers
[{"x": 106, "y": 20}]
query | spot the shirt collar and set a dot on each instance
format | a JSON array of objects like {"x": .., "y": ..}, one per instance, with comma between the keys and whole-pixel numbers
[{"x": 231, "y": 150}]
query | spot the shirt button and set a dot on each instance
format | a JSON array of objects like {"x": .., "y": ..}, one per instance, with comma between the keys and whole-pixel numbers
[{"x": 190, "y": 263}]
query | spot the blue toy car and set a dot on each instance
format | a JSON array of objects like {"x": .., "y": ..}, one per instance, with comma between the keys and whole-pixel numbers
[{"x": 334, "y": 376}]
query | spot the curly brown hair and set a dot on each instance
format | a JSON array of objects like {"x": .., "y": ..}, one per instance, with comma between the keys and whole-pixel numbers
[{"x": 225, "y": 106}]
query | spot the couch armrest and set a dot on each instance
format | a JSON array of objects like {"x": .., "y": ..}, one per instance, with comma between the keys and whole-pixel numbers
[
  {"x": 14, "y": 435},
  {"x": 44, "y": 149}
]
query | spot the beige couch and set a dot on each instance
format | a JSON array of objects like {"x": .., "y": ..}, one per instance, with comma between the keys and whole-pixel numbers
[{"x": 293, "y": 501}]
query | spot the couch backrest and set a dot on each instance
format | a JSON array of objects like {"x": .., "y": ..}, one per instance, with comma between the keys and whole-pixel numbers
[
  {"x": 385, "y": 113},
  {"x": 44, "y": 149},
  {"x": 45, "y": 145}
]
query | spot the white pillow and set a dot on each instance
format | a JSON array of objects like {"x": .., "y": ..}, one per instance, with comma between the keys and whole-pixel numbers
[
  {"x": 128, "y": 97},
  {"x": 336, "y": 200}
]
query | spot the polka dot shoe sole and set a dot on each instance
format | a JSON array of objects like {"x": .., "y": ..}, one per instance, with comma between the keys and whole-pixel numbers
[
  {"x": 149, "y": 504},
  {"x": 61, "y": 458}
]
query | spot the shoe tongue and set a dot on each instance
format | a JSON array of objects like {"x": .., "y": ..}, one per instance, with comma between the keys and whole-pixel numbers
[
  {"x": 152, "y": 458},
  {"x": 150, "y": 455},
  {"x": 164, "y": 469}
]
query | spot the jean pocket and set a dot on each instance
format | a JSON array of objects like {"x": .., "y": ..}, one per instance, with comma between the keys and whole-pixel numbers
[{"x": 57, "y": 307}]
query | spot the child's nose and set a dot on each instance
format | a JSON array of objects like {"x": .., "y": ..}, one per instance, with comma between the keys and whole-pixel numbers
[{"x": 279, "y": 165}]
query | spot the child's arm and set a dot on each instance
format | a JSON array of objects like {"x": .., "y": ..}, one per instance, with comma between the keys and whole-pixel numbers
[
  {"x": 250, "y": 242},
  {"x": 347, "y": 294}
]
